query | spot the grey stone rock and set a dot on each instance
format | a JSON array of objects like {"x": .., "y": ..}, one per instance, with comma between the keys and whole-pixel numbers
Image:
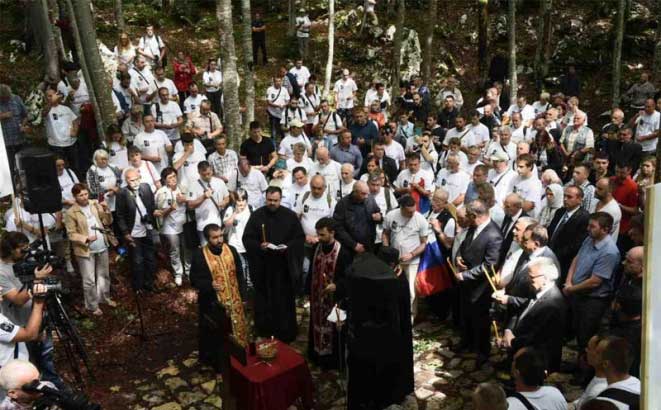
[
  {"x": 187, "y": 398},
  {"x": 174, "y": 383}
]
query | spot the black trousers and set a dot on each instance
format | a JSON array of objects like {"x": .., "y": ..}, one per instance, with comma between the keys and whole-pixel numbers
[
  {"x": 215, "y": 100},
  {"x": 587, "y": 314},
  {"x": 143, "y": 263},
  {"x": 259, "y": 44},
  {"x": 475, "y": 330}
]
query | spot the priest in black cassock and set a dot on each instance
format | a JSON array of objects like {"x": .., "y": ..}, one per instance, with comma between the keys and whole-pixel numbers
[
  {"x": 215, "y": 268},
  {"x": 274, "y": 240},
  {"x": 327, "y": 291}
]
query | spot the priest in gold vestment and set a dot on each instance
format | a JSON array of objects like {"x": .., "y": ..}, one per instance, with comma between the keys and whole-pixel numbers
[{"x": 214, "y": 271}]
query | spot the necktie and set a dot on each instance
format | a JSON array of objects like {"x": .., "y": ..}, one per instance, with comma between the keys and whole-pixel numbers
[
  {"x": 467, "y": 241},
  {"x": 506, "y": 224},
  {"x": 562, "y": 222},
  {"x": 523, "y": 259}
]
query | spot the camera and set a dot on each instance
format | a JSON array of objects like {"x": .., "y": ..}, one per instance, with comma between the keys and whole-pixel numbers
[
  {"x": 52, "y": 398},
  {"x": 36, "y": 259}
]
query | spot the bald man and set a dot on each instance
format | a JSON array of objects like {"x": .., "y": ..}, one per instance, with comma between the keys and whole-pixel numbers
[
  {"x": 347, "y": 181},
  {"x": 13, "y": 376},
  {"x": 331, "y": 170},
  {"x": 357, "y": 216}
]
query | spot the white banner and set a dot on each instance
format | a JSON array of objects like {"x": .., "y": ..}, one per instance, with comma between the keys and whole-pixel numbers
[{"x": 6, "y": 187}]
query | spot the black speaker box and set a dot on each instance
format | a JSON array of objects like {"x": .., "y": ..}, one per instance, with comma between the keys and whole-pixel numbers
[{"x": 41, "y": 188}]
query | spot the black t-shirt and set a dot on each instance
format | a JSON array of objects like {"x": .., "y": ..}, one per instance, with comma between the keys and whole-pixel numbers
[
  {"x": 259, "y": 35},
  {"x": 257, "y": 153}
]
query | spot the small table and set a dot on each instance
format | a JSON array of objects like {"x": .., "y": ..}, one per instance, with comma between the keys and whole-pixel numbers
[{"x": 272, "y": 386}]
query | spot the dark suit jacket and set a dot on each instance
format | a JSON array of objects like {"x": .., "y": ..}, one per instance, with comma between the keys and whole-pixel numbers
[
  {"x": 390, "y": 168},
  {"x": 507, "y": 240},
  {"x": 483, "y": 251},
  {"x": 542, "y": 326},
  {"x": 125, "y": 207},
  {"x": 349, "y": 216},
  {"x": 568, "y": 241},
  {"x": 631, "y": 153}
]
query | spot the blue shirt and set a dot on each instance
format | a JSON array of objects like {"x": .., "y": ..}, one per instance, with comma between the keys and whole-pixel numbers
[
  {"x": 350, "y": 155},
  {"x": 599, "y": 259},
  {"x": 11, "y": 127}
]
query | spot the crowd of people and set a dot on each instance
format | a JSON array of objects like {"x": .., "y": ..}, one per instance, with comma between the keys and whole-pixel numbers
[{"x": 538, "y": 216}]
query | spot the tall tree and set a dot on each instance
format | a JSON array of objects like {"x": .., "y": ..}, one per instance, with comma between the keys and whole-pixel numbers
[
  {"x": 119, "y": 15},
  {"x": 617, "y": 51},
  {"x": 331, "y": 47},
  {"x": 543, "y": 51},
  {"x": 511, "y": 25},
  {"x": 291, "y": 17},
  {"x": 100, "y": 81},
  {"x": 396, "y": 75},
  {"x": 429, "y": 40},
  {"x": 482, "y": 37},
  {"x": 248, "y": 63},
  {"x": 230, "y": 74},
  {"x": 657, "y": 46},
  {"x": 53, "y": 15},
  {"x": 42, "y": 34}
]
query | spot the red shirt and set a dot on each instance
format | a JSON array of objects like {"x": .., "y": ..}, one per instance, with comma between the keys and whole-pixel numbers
[
  {"x": 181, "y": 78},
  {"x": 625, "y": 193}
]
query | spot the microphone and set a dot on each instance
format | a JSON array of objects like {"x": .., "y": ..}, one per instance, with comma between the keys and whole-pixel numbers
[{"x": 103, "y": 230}]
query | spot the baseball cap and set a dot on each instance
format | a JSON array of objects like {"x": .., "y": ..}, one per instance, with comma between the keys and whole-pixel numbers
[
  {"x": 296, "y": 123},
  {"x": 499, "y": 156}
]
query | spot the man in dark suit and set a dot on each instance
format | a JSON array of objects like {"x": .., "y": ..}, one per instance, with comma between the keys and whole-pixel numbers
[
  {"x": 513, "y": 207},
  {"x": 135, "y": 218},
  {"x": 388, "y": 165},
  {"x": 624, "y": 149},
  {"x": 478, "y": 251},
  {"x": 541, "y": 324},
  {"x": 357, "y": 215},
  {"x": 568, "y": 229}
]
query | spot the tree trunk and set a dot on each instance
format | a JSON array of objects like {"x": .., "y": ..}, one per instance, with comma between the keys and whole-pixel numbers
[
  {"x": 429, "y": 41},
  {"x": 230, "y": 75},
  {"x": 511, "y": 25},
  {"x": 42, "y": 34},
  {"x": 53, "y": 14},
  {"x": 119, "y": 15},
  {"x": 542, "y": 53},
  {"x": 248, "y": 63},
  {"x": 331, "y": 47},
  {"x": 483, "y": 38},
  {"x": 100, "y": 82},
  {"x": 291, "y": 13},
  {"x": 657, "y": 46},
  {"x": 617, "y": 51},
  {"x": 397, "y": 50}
]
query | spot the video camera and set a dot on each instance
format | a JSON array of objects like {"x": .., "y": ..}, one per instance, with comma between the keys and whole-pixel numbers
[
  {"x": 37, "y": 258},
  {"x": 52, "y": 398}
]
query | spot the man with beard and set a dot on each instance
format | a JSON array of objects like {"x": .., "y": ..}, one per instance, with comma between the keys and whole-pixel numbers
[
  {"x": 274, "y": 240},
  {"x": 215, "y": 268},
  {"x": 327, "y": 288}
]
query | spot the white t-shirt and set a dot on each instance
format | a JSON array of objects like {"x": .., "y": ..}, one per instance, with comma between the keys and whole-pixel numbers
[
  {"x": 647, "y": 124},
  {"x": 540, "y": 107},
  {"x": 405, "y": 233},
  {"x": 631, "y": 385},
  {"x": 287, "y": 145},
  {"x": 527, "y": 112},
  {"x": 346, "y": 188},
  {"x": 154, "y": 143},
  {"x": 8, "y": 349},
  {"x": 530, "y": 190},
  {"x": 107, "y": 179},
  {"x": 332, "y": 124},
  {"x": 448, "y": 229},
  {"x": 612, "y": 208},
  {"x": 148, "y": 175},
  {"x": 80, "y": 96},
  {"x": 58, "y": 126},
  {"x": 546, "y": 398},
  {"x": 151, "y": 45},
  {"x": 380, "y": 199},
  {"x": 235, "y": 234},
  {"x": 207, "y": 212},
  {"x": 455, "y": 183},
  {"x": 302, "y": 74},
  {"x": 188, "y": 173},
  {"x": 305, "y": 163},
  {"x": 303, "y": 23},
  {"x": 310, "y": 103},
  {"x": 142, "y": 80},
  {"x": 501, "y": 183},
  {"x": 289, "y": 114},
  {"x": 192, "y": 104},
  {"x": 278, "y": 96},
  {"x": 169, "y": 114},
  {"x": 332, "y": 172},
  {"x": 118, "y": 155},
  {"x": 254, "y": 184},
  {"x": 426, "y": 165},
  {"x": 344, "y": 91},
  {"x": 395, "y": 151},
  {"x": 509, "y": 150},
  {"x": 405, "y": 178},
  {"x": 139, "y": 228},
  {"x": 169, "y": 84},
  {"x": 173, "y": 223},
  {"x": 313, "y": 209},
  {"x": 293, "y": 194},
  {"x": 99, "y": 244},
  {"x": 213, "y": 80},
  {"x": 67, "y": 180},
  {"x": 480, "y": 135},
  {"x": 465, "y": 135},
  {"x": 594, "y": 388}
]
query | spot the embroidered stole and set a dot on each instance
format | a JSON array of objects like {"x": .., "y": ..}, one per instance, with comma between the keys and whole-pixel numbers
[{"x": 321, "y": 305}]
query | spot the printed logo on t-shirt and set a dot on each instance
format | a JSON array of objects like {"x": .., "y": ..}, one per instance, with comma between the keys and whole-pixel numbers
[
  {"x": 146, "y": 143},
  {"x": 112, "y": 153},
  {"x": 7, "y": 326},
  {"x": 406, "y": 183},
  {"x": 54, "y": 116},
  {"x": 306, "y": 208},
  {"x": 101, "y": 178},
  {"x": 443, "y": 182},
  {"x": 394, "y": 225}
]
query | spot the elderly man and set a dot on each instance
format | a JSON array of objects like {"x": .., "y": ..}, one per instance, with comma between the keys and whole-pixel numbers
[
  {"x": 346, "y": 181},
  {"x": 610, "y": 131},
  {"x": 383, "y": 196},
  {"x": 503, "y": 145},
  {"x": 331, "y": 170},
  {"x": 515, "y": 250},
  {"x": 293, "y": 137},
  {"x": 406, "y": 230},
  {"x": 577, "y": 140},
  {"x": 205, "y": 124},
  {"x": 624, "y": 149},
  {"x": 454, "y": 180},
  {"x": 520, "y": 132},
  {"x": 15, "y": 374},
  {"x": 14, "y": 122},
  {"x": 513, "y": 209},
  {"x": 347, "y": 153},
  {"x": 356, "y": 216},
  {"x": 541, "y": 323},
  {"x": 647, "y": 127}
]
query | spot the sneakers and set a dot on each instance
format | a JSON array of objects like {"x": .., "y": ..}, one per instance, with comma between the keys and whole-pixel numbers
[
  {"x": 111, "y": 303},
  {"x": 177, "y": 280},
  {"x": 97, "y": 312}
]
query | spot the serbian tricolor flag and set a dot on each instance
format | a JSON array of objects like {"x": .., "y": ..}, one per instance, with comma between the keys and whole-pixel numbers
[
  {"x": 422, "y": 203},
  {"x": 433, "y": 276}
]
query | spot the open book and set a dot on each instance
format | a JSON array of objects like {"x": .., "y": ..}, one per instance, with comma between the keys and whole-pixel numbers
[{"x": 276, "y": 247}]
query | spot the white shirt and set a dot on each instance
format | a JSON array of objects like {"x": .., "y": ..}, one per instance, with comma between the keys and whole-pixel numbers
[
  {"x": 289, "y": 114},
  {"x": 303, "y": 23},
  {"x": 527, "y": 112},
  {"x": 422, "y": 177},
  {"x": 235, "y": 233},
  {"x": 139, "y": 229},
  {"x": 530, "y": 190},
  {"x": 287, "y": 145},
  {"x": 466, "y": 135},
  {"x": 142, "y": 83},
  {"x": 647, "y": 124},
  {"x": 207, "y": 213},
  {"x": 540, "y": 107},
  {"x": 107, "y": 179},
  {"x": 593, "y": 389},
  {"x": 426, "y": 165},
  {"x": 346, "y": 188},
  {"x": 8, "y": 332},
  {"x": 395, "y": 151},
  {"x": 67, "y": 180},
  {"x": 380, "y": 199},
  {"x": 545, "y": 398},
  {"x": 480, "y": 135},
  {"x": 118, "y": 155},
  {"x": 344, "y": 91},
  {"x": 279, "y": 96},
  {"x": 501, "y": 183},
  {"x": 313, "y": 209},
  {"x": 520, "y": 134},
  {"x": 99, "y": 244},
  {"x": 58, "y": 126},
  {"x": 509, "y": 150},
  {"x": 293, "y": 194},
  {"x": 188, "y": 173},
  {"x": 169, "y": 114},
  {"x": 305, "y": 163},
  {"x": 213, "y": 80},
  {"x": 192, "y": 104},
  {"x": 310, "y": 103},
  {"x": 153, "y": 144},
  {"x": 448, "y": 229},
  {"x": 332, "y": 172},
  {"x": 455, "y": 183},
  {"x": 254, "y": 184},
  {"x": 405, "y": 233},
  {"x": 173, "y": 223},
  {"x": 302, "y": 74},
  {"x": 169, "y": 84},
  {"x": 612, "y": 208},
  {"x": 509, "y": 265},
  {"x": 151, "y": 45},
  {"x": 631, "y": 385},
  {"x": 80, "y": 97},
  {"x": 330, "y": 124}
]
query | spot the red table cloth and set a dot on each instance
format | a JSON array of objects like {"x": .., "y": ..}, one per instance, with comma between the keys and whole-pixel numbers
[{"x": 272, "y": 386}]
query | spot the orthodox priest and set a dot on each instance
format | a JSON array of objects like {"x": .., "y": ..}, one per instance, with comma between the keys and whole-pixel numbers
[
  {"x": 274, "y": 240},
  {"x": 327, "y": 291},
  {"x": 214, "y": 271}
]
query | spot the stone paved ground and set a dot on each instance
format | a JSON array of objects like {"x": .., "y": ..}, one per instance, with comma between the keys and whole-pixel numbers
[{"x": 443, "y": 380}]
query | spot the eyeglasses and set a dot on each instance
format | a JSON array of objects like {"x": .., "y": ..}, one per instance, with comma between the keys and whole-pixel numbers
[{"x": 536, "y": 276}]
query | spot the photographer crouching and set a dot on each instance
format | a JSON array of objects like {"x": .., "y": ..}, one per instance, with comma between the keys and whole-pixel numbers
[{"x": 21, "y": 307}]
